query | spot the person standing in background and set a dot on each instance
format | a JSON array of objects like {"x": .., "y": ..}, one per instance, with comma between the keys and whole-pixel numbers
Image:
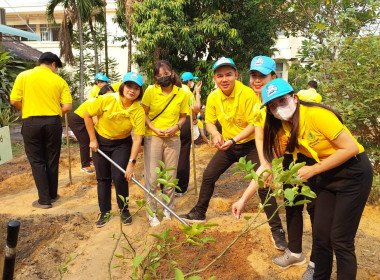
[
  {"x": 43, "y": 97},
  {"x": 166, "y": 106},
  {"x": 310, "y": 94},
  {"x": 194, "y": 99}
]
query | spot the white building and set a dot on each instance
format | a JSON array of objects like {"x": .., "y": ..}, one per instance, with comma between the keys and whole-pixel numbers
[{"x": 31, "y": 16}]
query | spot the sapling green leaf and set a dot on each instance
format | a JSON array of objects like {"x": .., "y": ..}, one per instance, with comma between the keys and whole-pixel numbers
[
  {"x": 158, "y": 170},
  {"x": 157, "y": 236},
  {"x": 289, "y": 195},
  {"x": 208, "y": 239},
  {"x": 304, "y": 201},
  {"x": 149, "y": 210},
  {"x": 119, "y": 256},
  {"x": 137, "y": 260},
  {"x": 147, "y": 276},
  {"x": 165, "y": 197},
  {"x": 178, "y": 274},
  {"x": 162, "y": 164},
  {"x": 140, "y": 203},
  {"x": 170, "y": 169},
  {"x": 247, "y": 218}
]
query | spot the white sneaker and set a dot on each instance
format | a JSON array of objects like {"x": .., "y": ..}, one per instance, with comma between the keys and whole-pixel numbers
[
  {"x": 167, "y": 215},
  {"x": 153, "y": 221}
]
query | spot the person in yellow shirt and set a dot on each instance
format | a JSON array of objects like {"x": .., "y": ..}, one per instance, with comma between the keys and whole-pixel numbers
[
  {"x": 76, "y": 123},
  {"x": 310, "y": 94},
  {"x": 194, "y": 100},
  {"x": 344, "y": 173},
  {"x": 166, "y": 105},
  {"x": 118, "y": 113},
  {"x": 101, "y": 80},
  {"x": 43, "y": 97},
  {"x": 232, "y": 105}
]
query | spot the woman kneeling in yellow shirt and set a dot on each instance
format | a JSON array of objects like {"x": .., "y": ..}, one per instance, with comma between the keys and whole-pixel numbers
[
  {"x": 343, "y": 170},
  {"x": 117, "y": 113}
]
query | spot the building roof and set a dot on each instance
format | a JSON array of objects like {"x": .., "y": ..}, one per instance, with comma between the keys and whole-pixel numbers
[{"x": 19, "y": 49}]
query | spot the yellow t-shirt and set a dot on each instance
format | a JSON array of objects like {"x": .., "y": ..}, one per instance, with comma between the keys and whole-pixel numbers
[
  {"x": 116, "y": 86},
  {"x": 84, "y": 107},
  {"x": 200, "y": 124},
  {"x": 234, "y": 112},
  {"x": 190, "y": 96},
  {"x": 318, "y": 127},
  {"x": 94, "y": 92},
  {"x": 156, "y": 100},
  {"x": 114, "y": 122},
  {"x": 41, "y": 92},
  {"x": 310, "y": 95}
]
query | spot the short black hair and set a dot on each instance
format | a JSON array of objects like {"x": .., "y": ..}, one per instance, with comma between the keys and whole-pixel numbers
[
  {"x": 48, "y": 58},
  {"x": 105, "y": 89},
  {"x": 313, "y": 84}
]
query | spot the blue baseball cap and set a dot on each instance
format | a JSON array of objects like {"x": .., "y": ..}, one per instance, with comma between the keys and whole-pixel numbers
[
  {"x": 133, "y": 77},
  {"x": 101, "y": 77},
  {"x": 263, "y": 64},
  {"x": 187, "y": 76},
  {"x": 224, "y": 61},
  {"x": 275, "y": 88}
]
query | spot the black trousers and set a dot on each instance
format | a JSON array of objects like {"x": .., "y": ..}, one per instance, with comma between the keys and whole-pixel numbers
[
  {"x": 119, "y": 151},
  {"x": 78, "y": 127},
  {"x": 294, "y": 218},
  {"x": 42, "y": 139},
  {"x": 183, "y": 169},
  {"x": 342, "y": 195},
  {"x": 219, "y": 163}
]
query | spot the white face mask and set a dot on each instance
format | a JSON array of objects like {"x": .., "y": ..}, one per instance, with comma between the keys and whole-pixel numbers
[
  {"x": 285, "y": 113},
  {"x": 191, "y": 84}
]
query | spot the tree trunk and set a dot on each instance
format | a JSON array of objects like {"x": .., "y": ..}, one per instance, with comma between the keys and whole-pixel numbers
[
  {"x": 128, "y": 13},
  {"x": 105, "y": 37},
  {"x": 95, "y": 46},
  {"x": 81, "y": 64}
]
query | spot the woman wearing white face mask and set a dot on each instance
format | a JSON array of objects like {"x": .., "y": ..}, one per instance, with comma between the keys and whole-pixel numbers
[{"x": 344, "y": 173}]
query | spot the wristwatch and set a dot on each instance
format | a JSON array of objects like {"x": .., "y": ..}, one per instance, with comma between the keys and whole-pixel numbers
[
  {"x": 233, "y": 141},
  {"x": 132, "y": 160},
  {"x": 179, "y": 127}
]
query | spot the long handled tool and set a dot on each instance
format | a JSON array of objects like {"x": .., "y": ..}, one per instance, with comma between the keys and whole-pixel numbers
[
  {"x": 145, "y": 189},
  {"x": 68, "y": 148}
]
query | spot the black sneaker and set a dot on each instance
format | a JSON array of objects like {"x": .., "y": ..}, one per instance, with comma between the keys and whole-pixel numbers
[
  {"x": 126, "y": 217},
  {"x": 194, "y": 216},
  {"x": 279, "y": 240},
  {"x": 103, "y": 220},
  {"x": 54, "y": 199}
]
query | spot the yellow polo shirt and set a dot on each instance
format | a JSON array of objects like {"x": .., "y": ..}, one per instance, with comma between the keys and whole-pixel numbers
[
  {"x": 94, "y": 92},
  {"x": 116, "y": 86},
  {"x": 156, "y": 100},
  {"x": 233, "y": 112},
  {"x": 114, "y": 122},
  {"x": 310, "y": 95},
  {"x": 190, "y": 96},
  {"x": 84, "y": 107},
  {"x": 318, "y": 127},
  {"x": 200, "y": 124},
  {"x": 41, "y": 92}
]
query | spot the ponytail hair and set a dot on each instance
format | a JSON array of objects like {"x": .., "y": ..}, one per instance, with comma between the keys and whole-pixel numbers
[{"x": 272, "y": 145}]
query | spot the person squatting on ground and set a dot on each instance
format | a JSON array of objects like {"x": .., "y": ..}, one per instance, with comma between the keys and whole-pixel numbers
[
  {"x": 194, "y": 102},
  {"x": 77, "y": 125},
  {"x": 232, "y": 105},
  {"x": 100, "y": 81},
  {"x": 118, "y": 113},
  {"x": 166, "y": 106},
  {"x": 343, "y": 173},
  {"x": 43, "y": 97}
]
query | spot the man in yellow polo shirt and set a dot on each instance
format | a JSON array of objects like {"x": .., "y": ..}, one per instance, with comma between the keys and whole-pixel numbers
[
  {"x": 310, "y": 94},
  {"x": 43, "y": 97},
  {"x": 232, "y": 105}
]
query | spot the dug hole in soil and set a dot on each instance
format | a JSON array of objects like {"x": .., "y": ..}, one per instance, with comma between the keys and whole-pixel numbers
[{"x": 48, "y": 237}]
